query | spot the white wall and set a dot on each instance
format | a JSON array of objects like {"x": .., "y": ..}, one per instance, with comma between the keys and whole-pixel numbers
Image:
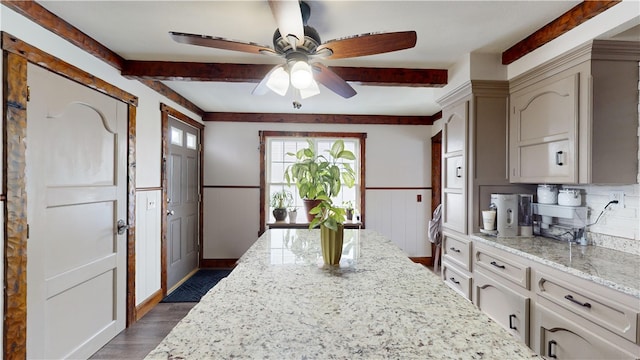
[{"x": 396, "y": 157}]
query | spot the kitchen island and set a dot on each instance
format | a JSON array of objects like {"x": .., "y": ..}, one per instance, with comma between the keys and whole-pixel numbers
[{"x": 281, "y": 302}]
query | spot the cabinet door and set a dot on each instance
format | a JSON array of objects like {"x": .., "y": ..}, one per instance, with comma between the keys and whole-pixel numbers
[
  {"x": 504, "y": 306},
  {"x": 543, "y": 131},
  {"x": 561, "y": 338},
  {"x": 454, "y": 161}
]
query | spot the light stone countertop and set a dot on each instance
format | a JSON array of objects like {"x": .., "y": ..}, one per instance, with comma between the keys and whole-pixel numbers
[
  {"x": 280, "y": 302},
  {"x": 615, "y": 269}
]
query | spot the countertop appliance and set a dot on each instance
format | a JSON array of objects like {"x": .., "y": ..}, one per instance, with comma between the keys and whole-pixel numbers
[{"x": 506, "y": 214}]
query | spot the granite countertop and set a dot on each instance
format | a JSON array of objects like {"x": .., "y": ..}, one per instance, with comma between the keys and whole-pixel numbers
[
  {"x": 280, "y": 302},
  {"x": 615, "y": 269}
]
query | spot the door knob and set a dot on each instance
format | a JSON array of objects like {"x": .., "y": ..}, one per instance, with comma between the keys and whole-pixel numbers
[
  {"x": 122, "y": 227},
  {"x": 170, "y": 212}
]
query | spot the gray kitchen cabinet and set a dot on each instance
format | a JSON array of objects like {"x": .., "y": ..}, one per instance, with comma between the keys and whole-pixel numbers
[
  {"x": 474, "y": 158},
  {"x": 558, "y": 314},
  {"x": 574, "y": 119},
  {"x": 501, "y": 289},
  {"x": 504, "y": 305},
  {"x": 560, "y": 337}
]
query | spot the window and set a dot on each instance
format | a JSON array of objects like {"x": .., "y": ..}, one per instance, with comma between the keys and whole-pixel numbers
[{"x": 274, "y": 148}]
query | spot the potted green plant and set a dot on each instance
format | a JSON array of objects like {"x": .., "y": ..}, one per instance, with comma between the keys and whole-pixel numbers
[
  {"x": 320, "y": 178},
  {"x": 280, "y": 201},
  {"x": 348, "y": 206}
]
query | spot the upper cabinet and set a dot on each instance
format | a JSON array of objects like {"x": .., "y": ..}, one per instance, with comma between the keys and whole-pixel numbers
[{"x": 574, "y": 120}]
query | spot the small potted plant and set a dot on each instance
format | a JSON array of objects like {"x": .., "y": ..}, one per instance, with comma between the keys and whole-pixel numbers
[
  {"x": 348, "y": 206},
  {"x": 280, "y": 201},
  {"x": 320, "y": 178}
]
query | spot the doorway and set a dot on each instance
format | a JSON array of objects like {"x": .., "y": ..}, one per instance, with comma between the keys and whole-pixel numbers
[
  {"x": 17, "y": 59},
  {"x": 436, "y": 182},
  {"x": 182, "y": 197}
]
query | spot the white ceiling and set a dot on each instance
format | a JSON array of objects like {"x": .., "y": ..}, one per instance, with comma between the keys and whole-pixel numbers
[{"x": 447, "y": 30}]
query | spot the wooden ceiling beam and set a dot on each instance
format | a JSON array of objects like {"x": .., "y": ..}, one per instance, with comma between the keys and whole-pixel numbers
[
  {"x": 322, "y": 118},
  {"x": 562, "y": 24},
  {"x": 252, "y": 73}
]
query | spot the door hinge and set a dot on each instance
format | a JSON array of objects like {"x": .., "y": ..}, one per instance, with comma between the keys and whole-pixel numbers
[{"x": 28, "y": 93}]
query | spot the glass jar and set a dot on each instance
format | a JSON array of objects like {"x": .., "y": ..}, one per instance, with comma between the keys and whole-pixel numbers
[
  {"x": 569, "y": 197},
  {"x": 547, "y": 194}
]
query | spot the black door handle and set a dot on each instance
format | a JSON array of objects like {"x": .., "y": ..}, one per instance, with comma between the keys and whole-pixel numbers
[
  {"x": 570, "y": 298},
  {"x": 511, "y": 318},
  {"x": 497, "y": 265}
]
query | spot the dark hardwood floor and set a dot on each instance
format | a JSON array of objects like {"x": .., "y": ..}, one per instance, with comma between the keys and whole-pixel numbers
[{"x": 140, "y": 338}]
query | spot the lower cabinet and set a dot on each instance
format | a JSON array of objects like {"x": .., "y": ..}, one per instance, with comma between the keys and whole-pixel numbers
[
  {"x": 505, "y": 306},
  {"x": 456, "y": 279},
  {"x": 561, "y": 337}
]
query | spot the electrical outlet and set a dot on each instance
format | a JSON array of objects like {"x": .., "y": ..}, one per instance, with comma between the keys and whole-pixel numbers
[{"x": 617, "y": 195}]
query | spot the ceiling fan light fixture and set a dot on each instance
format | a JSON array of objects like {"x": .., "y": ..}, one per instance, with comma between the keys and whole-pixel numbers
[
  {"x": 301, "y": 76},
  {"x": 279, "y": 81},
  {"x": 309, "y": 91}
]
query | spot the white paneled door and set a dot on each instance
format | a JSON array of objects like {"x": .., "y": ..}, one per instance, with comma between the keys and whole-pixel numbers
[
  {"x": 183, "y": 197},
  {"x": 76, "y": 190}
]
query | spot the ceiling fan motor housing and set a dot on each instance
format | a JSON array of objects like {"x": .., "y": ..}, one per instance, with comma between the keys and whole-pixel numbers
[{"x": 311, "y": 42}]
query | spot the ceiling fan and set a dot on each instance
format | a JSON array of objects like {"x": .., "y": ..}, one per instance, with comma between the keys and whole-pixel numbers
[{"x": 302, "y": 48}]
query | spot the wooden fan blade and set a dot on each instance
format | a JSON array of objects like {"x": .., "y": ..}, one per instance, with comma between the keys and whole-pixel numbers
[
  {"x": 332, "y": 81},
  {"x": 262, "y": 88},
  {"x": 289, "y": 19},
  {"x": 220, "y": 43},
  {"x": 369, "y": 44}
]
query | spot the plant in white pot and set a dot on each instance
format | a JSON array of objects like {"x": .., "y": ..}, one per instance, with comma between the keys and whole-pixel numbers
[
  {"x": 320, "y": 178},
  {"x": 280, "y": 201}
]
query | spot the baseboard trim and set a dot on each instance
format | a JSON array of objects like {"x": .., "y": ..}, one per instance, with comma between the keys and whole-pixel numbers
[
  {"x": 218, "y": 263},
  {"x": 426, "y": 261},
  {"x": 148, "y": 304}
]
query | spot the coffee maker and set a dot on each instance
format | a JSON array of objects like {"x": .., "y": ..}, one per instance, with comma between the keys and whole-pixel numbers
[
  {"x": 506, "y": 206},
  {"x": 514, "y": 214}
]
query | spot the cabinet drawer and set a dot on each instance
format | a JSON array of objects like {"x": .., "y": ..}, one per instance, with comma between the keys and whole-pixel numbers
[
  {"x": 599, "y": 308},
  {"x": 562, "y": 338},
  {"x": 503, "y": 305},
  {"x": 457, "y": 251},
  {"x": 456, "y": 280},
  {"x": 506, "y": 268}
]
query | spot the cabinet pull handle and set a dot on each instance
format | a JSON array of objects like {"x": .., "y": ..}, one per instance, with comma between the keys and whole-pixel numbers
[
  {"x": 496, "y": 265},
  {"x": 454, "y": 249},
  {"x": 511, "y": 326},
  {"x": 559, "y": 161},
  {"x": 458, "y": 169},
  {"x": 454, "y": 280},
  {"x": 551, "y": 347},
  {"x": 570, "y": 298}
]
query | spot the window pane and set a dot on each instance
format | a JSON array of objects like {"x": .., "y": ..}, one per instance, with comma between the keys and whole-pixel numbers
[
  {"x": 176, "y": 136},
  {"x": 191, "y": 141}
]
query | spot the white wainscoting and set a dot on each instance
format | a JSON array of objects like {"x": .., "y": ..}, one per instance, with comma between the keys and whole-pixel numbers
[
  {"x": 148, "y": 243},
  {"x": 398, "y": 215},
  {"x": 231, "y": 221}
]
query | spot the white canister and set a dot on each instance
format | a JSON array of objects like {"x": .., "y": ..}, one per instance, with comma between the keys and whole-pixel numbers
[
  {"x": 547, "y": 194},
  {"x": 570, "y": 197}
]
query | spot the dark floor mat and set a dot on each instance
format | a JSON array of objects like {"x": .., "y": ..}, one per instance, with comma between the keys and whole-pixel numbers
[{"x": 197, "y": 285}]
